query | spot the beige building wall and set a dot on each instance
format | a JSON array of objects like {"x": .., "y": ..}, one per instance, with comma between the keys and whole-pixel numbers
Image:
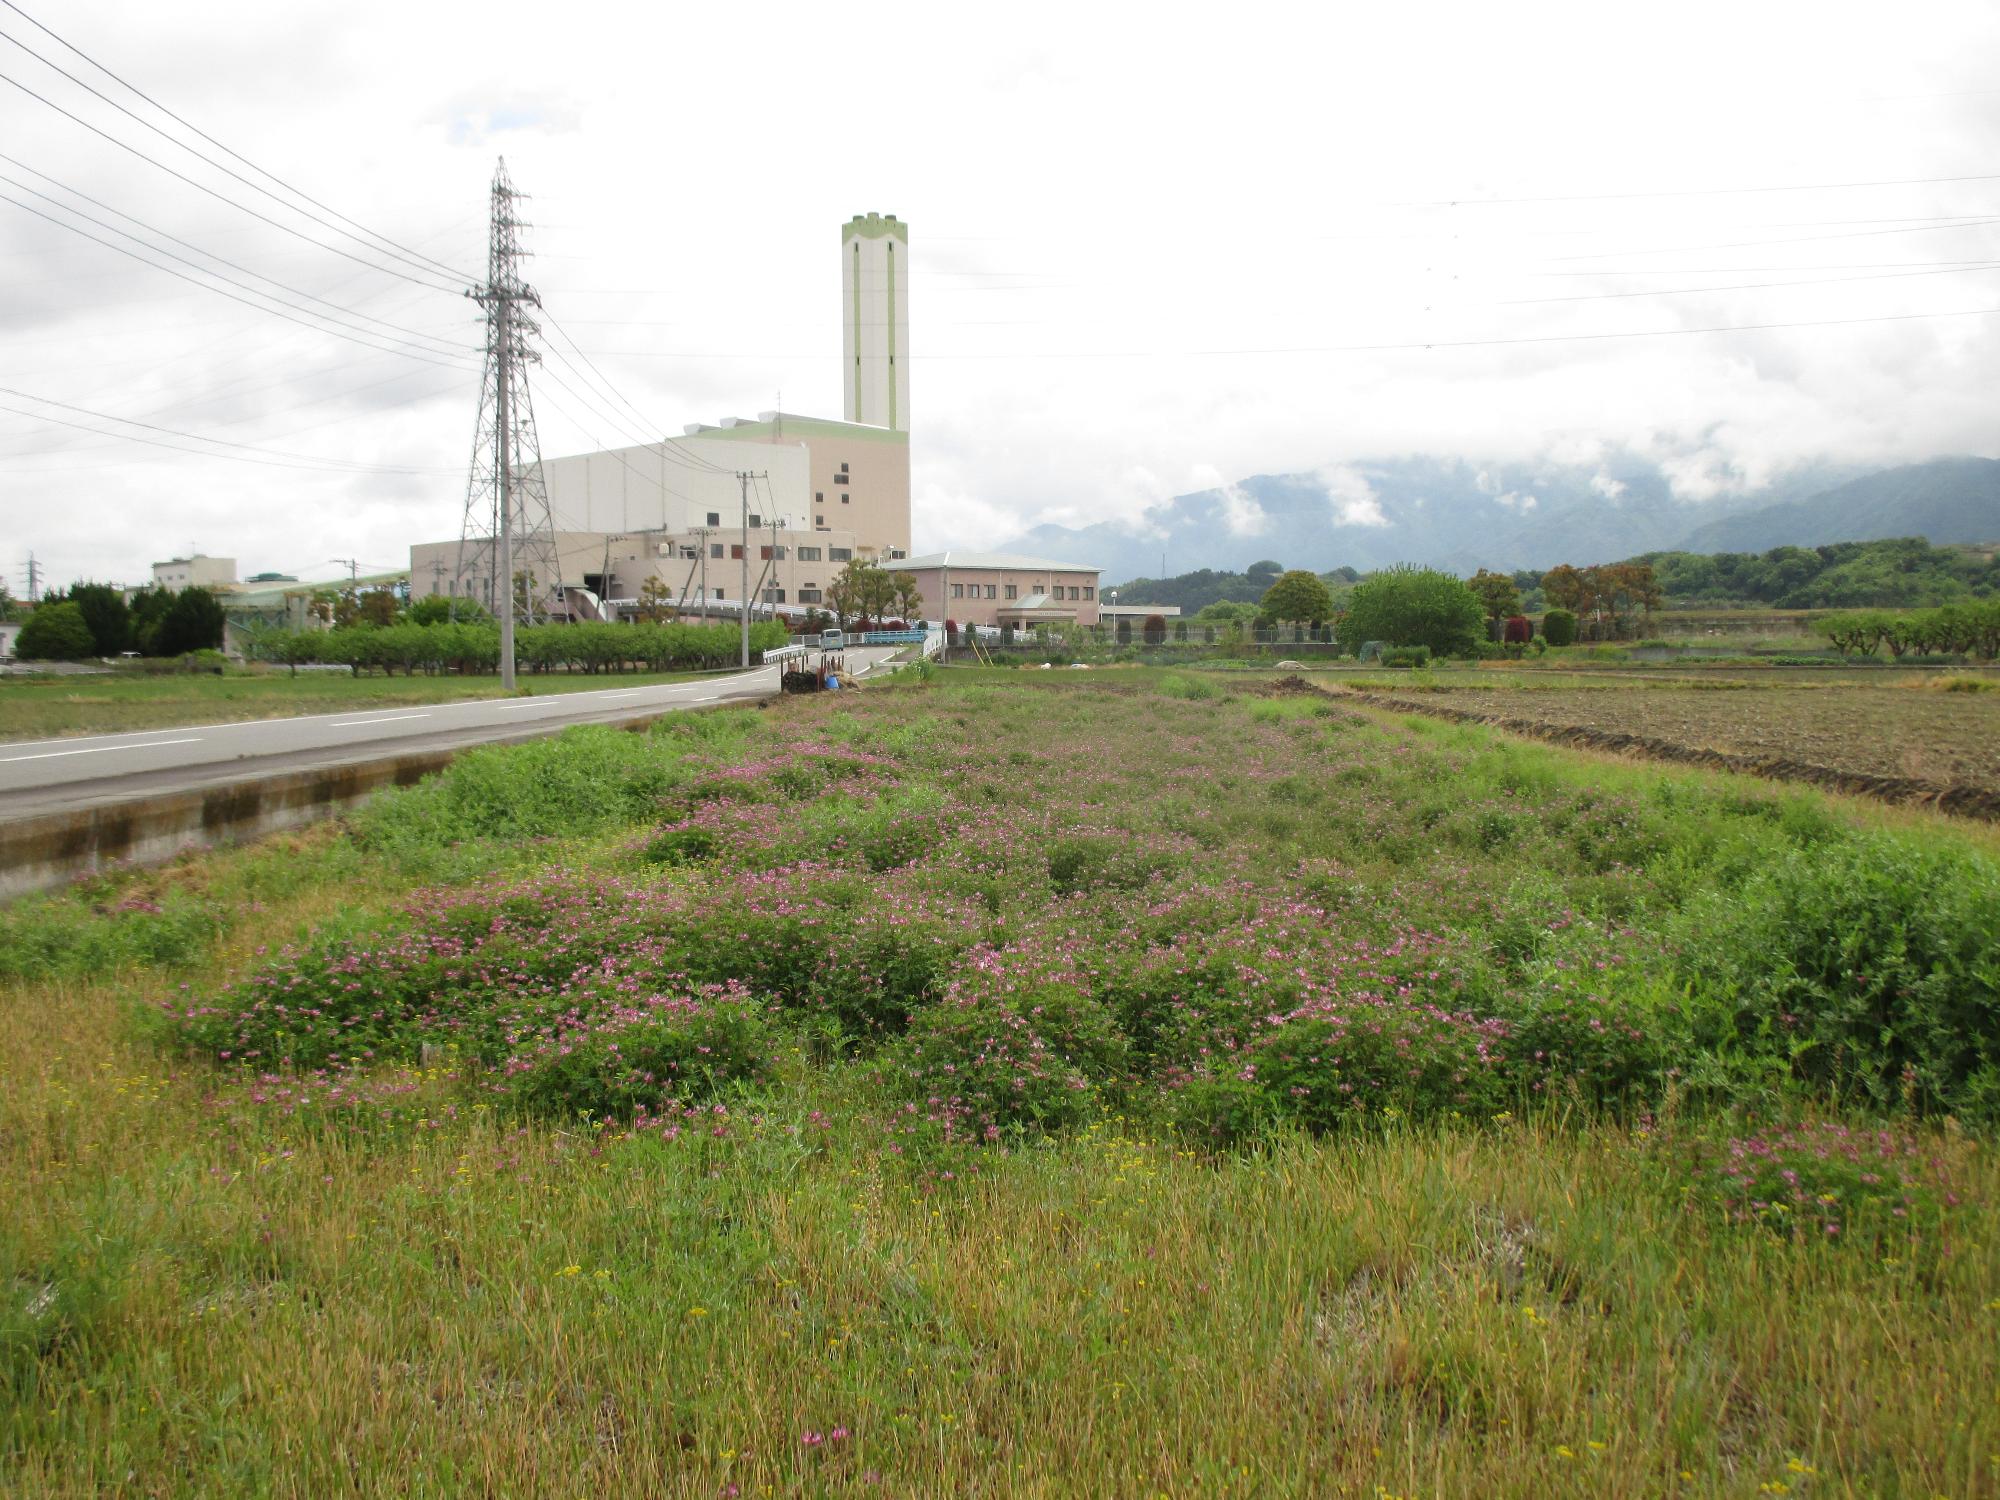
[
  {"x": 199, "y": 571},
  {"x": 793, "y": 567},
  {"x": 858, "y": 476},
  {"x": 982, "y": 593}
]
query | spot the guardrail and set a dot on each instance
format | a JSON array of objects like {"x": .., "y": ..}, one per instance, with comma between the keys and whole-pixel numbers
[
  {"x": 891, "y": 637},
  {"x": 786, "y": 653}
]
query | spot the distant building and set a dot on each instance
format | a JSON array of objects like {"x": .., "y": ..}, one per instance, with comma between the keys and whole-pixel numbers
[
  {"x": 838, "y": 489},
  {"x": 198, "y": 571},
  {"x": 999, "y": 588}
]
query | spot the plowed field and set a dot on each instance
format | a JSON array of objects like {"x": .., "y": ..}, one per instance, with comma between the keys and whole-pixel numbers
[{"x": 1945, "y": 739}]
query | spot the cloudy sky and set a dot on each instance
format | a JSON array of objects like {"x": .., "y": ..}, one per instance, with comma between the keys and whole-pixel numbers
[{"x": 1151, "y": 255}]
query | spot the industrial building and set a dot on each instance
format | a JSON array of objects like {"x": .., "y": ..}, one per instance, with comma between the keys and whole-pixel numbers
[
  {"x": 675, "y": 514},
  {"x": 1000, "y": 588}
]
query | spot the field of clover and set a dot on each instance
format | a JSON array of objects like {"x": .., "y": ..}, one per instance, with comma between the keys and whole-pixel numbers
[{"x": 1002, "y": 911}]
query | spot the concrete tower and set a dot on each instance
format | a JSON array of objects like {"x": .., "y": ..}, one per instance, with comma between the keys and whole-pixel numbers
[{"x": 875, "y": 320}]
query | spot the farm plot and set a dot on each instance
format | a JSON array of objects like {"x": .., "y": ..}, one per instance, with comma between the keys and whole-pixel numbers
[
  {"x": 1014, "y": 1085},
  {"x": 1917, "y": 731}
]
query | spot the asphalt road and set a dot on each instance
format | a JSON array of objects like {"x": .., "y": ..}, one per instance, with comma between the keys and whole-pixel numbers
[{"x": 45, "y": 776}]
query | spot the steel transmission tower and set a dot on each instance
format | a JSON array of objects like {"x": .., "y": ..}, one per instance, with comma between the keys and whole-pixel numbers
[{"x": 507, "y": 541}]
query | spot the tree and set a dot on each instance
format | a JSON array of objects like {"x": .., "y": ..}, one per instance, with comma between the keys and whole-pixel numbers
[
  {"x": 1566, "y": 588},
  {"x": 192, "y": 622},
  {"x": 107, "y": 615},
  {"x": 909, "y": 598},
  {"x": 443, "y": 609},
  {"x": 656, "y": 599},
  {"x": 1407, "y": 606},
  {"x": 1559, "y": 627},
  {"x": 55, "y": 632},
  {"x": 1264, "y": 573},
  {"x": 1497, "y": 593},
  {"x": 1297, "y": 596},
  {"x": 1155, "y": 630}
]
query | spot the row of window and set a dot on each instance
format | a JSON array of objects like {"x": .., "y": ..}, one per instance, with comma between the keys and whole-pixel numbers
[{"x": 958, "y": 591}]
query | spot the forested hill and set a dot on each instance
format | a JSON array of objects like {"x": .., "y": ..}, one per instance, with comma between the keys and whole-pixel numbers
[{"x": 1900, "y": 573}]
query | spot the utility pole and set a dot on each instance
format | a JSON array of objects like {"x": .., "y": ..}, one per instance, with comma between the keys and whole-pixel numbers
[
  {"x": 704, "y": 575},
  {"x": 503, "y": 312},
  {"x": 743, "y": 479},
  {"x": 353, "y": 566},
  {"x": 34, "y": 580}
]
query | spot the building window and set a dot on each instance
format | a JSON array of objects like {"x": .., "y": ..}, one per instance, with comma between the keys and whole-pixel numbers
[
  {"x": 840, "y": 554},
  {"x": 841, "y": 478},
  {"x": 808, "y": 554},
  {"x": 990, "y": 591},
  {"x": 755, "y": 522},
  {"x": 1012, "y": 592},
  {"x": 715, "y": 518},
  {"x": 809, "y": 596},
  {"x": 843, "y": 468},
  {"x": 763, "y": 554},
  {"x": 958, "y": 591},
  {"x": 819, "y": 497},
  {"x": 1089, "y": 592},
  {"x": 735, "y": 550},
  {"x": 845, "y": 498},
  {"x": 715, "y": 549},
  {"x": 819, "y": 523},
  {"x": 718, "y": 593},
  {"x": 1075, "y": 592},
  {"x": 774, "y": 596}
]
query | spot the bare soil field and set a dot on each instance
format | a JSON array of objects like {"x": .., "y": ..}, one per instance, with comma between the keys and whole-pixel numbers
[{"x": 1907, "y": 731}]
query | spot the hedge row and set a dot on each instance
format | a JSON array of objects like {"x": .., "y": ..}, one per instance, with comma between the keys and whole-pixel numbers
[{"x": 588, "y": 647}]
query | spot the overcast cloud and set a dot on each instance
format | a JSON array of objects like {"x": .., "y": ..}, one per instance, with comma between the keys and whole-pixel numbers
[{"x": 1151, "y": 247}]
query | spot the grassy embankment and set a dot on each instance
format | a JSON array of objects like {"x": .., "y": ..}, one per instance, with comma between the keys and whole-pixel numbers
[
  {"x": 34, "y": 708},
  {"x": 1142, "y": 1089}
]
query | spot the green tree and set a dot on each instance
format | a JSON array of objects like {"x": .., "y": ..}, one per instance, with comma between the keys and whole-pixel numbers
[
  {"x": 909, "y": 598},
  {"x": 55, "y": 632},
  {"x": 192, "y": 622},
  {"x": 1407, "y": 606},
  {"x": 1559, "y": 627},
  {"x": 1297, "y": 596},
  {"x": 1498, "y": 595},
  {"x": 105, "y": 611}
]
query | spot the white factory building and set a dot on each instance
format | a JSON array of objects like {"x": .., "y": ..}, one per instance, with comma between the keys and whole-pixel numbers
[{"x": 676, "y": 511}]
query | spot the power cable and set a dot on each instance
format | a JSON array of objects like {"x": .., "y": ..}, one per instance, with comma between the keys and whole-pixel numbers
[
  {"x": 248, "y": 453},
  {"x": 413, "y": 258},
  {"x": 1745, "y": 286},
  {"x": 218, "y": 196},
  {"x": 274, "y": 311},
  {"x": 394, "y": 328},
  {"x": 1792, "y": 187}
]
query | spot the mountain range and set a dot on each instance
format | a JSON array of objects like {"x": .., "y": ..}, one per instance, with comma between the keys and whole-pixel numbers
[{"x": 1462, "y": 515}]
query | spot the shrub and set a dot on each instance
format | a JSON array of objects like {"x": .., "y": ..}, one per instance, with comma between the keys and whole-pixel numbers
[
  {"x": 1867, "y": 963},
  {"x": 55, "y": 632},
  {"x": 999, "y": 1053},
  {"x": 1559, "y": 628},
  {"x": 1407, "y": 656},
  {"x": 1518, "y": 631},
  {"x": 640, "y": 1058},
  {"x": 1155, "y": 630}
]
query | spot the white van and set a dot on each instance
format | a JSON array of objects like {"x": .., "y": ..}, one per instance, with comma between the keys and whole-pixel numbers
[{"x": 832, "y": 640}]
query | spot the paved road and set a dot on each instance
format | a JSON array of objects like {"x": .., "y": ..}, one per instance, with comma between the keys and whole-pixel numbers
[{"x": 44, "y": 776}]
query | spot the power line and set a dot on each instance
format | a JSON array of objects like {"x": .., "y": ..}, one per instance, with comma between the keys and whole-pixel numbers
[
  {"x": 274, "y": 311},
  {"x": 413, "y": 258},
  {"x": 213, "y": 193},
  {"x": 268, "y": 457},
  {"x": 1745, "y": 286},
  {"x": 1790, "y": 187},
  {"x": 394, "y": 328}
]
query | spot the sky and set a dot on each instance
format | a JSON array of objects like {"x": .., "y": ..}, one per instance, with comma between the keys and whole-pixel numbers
[{"x": 1149, "y": 256}]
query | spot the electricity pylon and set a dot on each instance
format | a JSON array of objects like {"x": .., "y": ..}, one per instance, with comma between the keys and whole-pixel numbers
[{"x": 507, "y": 541}]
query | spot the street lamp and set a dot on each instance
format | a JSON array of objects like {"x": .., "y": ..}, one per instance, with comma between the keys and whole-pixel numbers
[{"x": 1110, "y": 624}]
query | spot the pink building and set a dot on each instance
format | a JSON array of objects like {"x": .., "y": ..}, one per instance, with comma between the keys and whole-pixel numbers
[{"x": 998, "y": 588}]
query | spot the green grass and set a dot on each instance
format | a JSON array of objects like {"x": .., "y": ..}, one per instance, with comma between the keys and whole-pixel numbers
[
  {"x": 44, "y": 707},
  {"x": 213, "y": 1285}
]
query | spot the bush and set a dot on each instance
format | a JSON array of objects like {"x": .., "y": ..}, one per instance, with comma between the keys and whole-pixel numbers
[
  {"x": 1407, "y": 656},
  {"x": 55, "y": 632},
  {"x": 999, "y": 1053},
  {"x": 1867, "y": 965},
  {"x": 640, "y": 1058},
  {"x": 1559, "y": 628}
]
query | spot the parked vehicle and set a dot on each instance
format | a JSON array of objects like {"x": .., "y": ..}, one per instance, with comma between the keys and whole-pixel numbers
[{"x": 832, "y": 640}]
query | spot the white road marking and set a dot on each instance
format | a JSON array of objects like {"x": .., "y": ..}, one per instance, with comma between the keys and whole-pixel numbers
[
  {"x": 192, "y": 739},
  {"x": 385, "y": 719}
]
